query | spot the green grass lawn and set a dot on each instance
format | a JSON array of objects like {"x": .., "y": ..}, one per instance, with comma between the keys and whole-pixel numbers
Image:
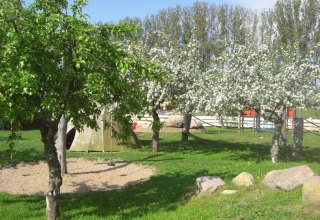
[
  {"x": 219, "y": 152},
  {"x": 308, "y": 113}
]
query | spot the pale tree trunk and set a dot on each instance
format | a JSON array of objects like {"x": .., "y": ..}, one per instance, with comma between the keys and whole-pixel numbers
[
  {"x": 276, "y": 140},
  {"x": 239, "y": 120},
  {"x": 186, "y": 127},
  {"x": 297, "y": 137},
  {"x": 221, "y": 120},
  {"x": 61, "y": 143},
  {"x": 48, "y": 132},
  {"x": 283, "y": 136},
  {"x": 155, "y": 130}
]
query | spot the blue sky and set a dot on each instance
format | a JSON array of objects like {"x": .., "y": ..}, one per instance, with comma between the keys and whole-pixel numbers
[{"x": 114, "y": 10}]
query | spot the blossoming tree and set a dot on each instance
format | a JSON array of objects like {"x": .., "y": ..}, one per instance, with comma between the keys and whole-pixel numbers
[
  {"x": 259, "y": 77},
  {"x": 180, "y": 66}
]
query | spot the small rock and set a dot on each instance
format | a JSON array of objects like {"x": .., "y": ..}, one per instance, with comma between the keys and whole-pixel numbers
[
  {"x": 288, "y": 179},
  {"x": 311, "y": 190},
  {"x": 229, "y": 192},
  {"x": 243, "y": 179},
  {"x": 207, "y": 185}
]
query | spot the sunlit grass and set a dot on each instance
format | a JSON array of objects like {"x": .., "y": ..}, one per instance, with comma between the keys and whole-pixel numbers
[{"x": 219, "y": 152}]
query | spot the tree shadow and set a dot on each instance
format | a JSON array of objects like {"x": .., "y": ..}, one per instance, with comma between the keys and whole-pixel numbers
[
  {"x": 22, "y": 155},
  {"x": 160, "y": 192},
  {"x": 241, "y": 151},
  {"x": 308, "y": 155},
  {"x": 236, "y": 150}
]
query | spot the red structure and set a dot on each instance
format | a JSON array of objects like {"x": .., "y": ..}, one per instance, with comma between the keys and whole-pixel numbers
[
  {"x": 291, "y": 112},
  {"x": 248, "y": 112},
  {"x": 134, "y": 126}
]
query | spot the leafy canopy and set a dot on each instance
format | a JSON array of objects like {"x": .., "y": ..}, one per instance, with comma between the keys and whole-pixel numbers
[{"x": 53, "y": 61}]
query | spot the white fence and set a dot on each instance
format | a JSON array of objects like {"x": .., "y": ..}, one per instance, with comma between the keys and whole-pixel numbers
[{"x": 248, "y": 122}]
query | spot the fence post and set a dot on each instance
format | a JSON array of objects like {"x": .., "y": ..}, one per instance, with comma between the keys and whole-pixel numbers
[{"x": 297, "y": 136}]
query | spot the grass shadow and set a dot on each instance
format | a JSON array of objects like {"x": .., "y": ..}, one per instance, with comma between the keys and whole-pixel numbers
[
  {"x": 242, "y": 150},
  {"x": 21, "y": 155},
  {"x": 164, "y": 192}
]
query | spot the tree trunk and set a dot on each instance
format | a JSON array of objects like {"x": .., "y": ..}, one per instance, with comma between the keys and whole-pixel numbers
[
  {"x": 48, "y": 132},
  {"x": 61, "y": 143},
  {"x": 258, "y": 123},
  {"x": 239, "y": 120},
  {"x": 221, "y": 120},
  {"x": 155, "y": 130},
  {"x": 186, "y": 127},
  {"x": 297, "y": 137},
  {"x": 283, "y": 136},
  {"x": 276, "y": 140},
  {"x": 136, "y": 139}
]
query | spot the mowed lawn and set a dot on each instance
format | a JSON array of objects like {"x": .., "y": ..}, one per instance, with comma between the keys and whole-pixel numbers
[{"x": 215, "y": 152}]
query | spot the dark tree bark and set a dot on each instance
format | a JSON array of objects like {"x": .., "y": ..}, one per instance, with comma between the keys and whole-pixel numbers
[
  {"x": 48, "y": 132},
  {"x": 186, "y": 127},
  {"x": 155, "y": 130},
  {"x": 136, "y": 139},
  {"x": 61, "y": 143}
]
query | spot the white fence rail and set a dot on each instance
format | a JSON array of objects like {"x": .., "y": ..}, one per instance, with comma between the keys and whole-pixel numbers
[{"x": 248, "y": 122}]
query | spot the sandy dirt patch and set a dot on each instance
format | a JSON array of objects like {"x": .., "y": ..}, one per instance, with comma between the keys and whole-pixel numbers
[{"x": 84, "y": 176}]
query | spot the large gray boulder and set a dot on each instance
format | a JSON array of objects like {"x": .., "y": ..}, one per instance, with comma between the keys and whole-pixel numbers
[
  {"x": 288, "y": 179},
  {"x": 311, "y": 190},
  {"x": 196, "y": 124},
  {"x": 206, "y": 185},
  {"x": 243, "y": 179},
  {"x": 176, "y": 121}
]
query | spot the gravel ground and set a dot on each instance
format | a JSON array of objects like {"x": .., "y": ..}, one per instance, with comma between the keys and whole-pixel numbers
[{"x": 84, "y": 176}]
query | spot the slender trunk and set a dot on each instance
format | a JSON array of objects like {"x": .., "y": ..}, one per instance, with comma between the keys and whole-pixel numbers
[
  {"x": 297, "y": 137},
  {"x": 276, "y": 140},
  {"x": 155, "y": 130},
  {"x": 221, "y": 120},
  {"x": 61, "y": 143},
  {"x": 186, "y": 127},
  {"x": 239, "y": 120},
  {"x": 136, "y": 139},
  {"x": 258, "y": 122},
  {"x": 48, "y": 132},
  {"x": 283, "y": 136}
]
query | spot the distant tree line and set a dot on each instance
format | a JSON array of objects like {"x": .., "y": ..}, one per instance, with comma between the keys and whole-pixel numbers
[{"x": 288, "y": 24}]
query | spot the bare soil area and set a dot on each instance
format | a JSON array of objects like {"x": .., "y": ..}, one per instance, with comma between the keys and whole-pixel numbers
[{"x": 84, "y": 176}]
